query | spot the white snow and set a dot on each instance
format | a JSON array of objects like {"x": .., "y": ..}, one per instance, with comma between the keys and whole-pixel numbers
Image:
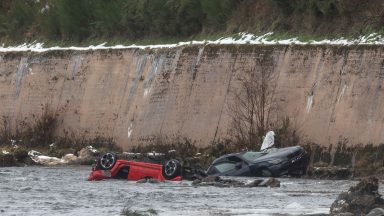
[{"x": 240, "y": 38}]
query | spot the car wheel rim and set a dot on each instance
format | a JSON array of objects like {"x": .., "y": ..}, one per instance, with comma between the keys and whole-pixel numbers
[
  {"x": 170, "y": 168},
  {"x": 107, "y": 160}
]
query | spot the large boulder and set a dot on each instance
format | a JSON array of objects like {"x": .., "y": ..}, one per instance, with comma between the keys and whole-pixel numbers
[
  {"x": 360, "y": 199},
  {"x": 88, "y": 152},
  {"x": 87, "y": 156},
  {"x": 41, "y": 159}
]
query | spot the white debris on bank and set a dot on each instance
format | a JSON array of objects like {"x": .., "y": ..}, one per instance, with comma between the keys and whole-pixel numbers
[
  {"x": 5, "y": 152},
  {"x": 240, "y": 38},
  {"x": 39, "y": 158},
  {"x": 92, "y": 149},
  {"x": 154, "y": 154}
]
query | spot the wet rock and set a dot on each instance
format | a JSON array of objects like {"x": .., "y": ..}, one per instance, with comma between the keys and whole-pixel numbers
[
  {"x": 153, "y": 181},
  {"x": 41, "y": 159},
  {"x": 69, "y": 157},
  {"x": 254, "y": 183},
  {"x": 211, "y": 179},
  {"x": 88, "y": 152},
  {"x": 86, "y": 156},
  {"x": 142, "y": 181},
  {"x": 359, "y": 199},
  {"x": 376, "y": 212},
  {"x": 270, "y": 182},
  {"x": 7, "y": 160},
  {"x": 196, "y": 182},
  {"x": 148, "y": 180},
  {"x": 330, "y": 172}
]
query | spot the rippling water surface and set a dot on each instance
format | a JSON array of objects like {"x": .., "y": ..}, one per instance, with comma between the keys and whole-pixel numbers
[{"x": 65, "y": 191}]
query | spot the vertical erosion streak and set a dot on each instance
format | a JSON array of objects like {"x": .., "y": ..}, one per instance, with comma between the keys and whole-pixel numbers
[
  {"x": 309, "y": 103},
  {"x": 193, "y": 70},
  {"x": 135, "y": 82},
  {"x": 21, "y": 71},
  {"x": 225, "y": 97},
  {"x": 174, "y": 64},
  {"x": 157, "y": 62},
  {"x": 197, "y": 63}
]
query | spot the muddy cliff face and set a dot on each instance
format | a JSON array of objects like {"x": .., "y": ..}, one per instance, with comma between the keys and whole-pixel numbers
[{"x": 332, "y": 94}]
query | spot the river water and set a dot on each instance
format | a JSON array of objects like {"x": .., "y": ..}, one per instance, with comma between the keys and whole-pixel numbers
[{"x": 65, "y": 191}]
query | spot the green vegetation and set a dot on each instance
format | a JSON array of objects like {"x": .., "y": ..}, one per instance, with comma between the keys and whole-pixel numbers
[{"x": 146, "y": 21}]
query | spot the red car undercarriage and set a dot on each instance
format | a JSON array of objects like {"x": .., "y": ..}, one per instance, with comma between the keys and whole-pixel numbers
[{"x": 110, "y": 168}]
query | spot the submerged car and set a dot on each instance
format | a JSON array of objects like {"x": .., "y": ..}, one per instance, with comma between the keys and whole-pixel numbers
[
  {"x": 108, "y": 167},
  {"x": 273, "y": 162}
]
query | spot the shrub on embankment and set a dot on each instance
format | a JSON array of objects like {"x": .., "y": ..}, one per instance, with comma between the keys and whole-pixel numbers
[
  {"x": 39, "y": 132},
  {"x": 166, "y": 20}
]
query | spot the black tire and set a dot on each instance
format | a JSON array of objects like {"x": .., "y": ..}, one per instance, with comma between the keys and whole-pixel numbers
[
  {"x": 171, "y": 169},
  {"x": 266, "y": 172},
  {"x": 107, "y": 161}
]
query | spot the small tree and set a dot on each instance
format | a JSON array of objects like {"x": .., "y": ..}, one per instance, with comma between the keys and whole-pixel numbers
[{"x": 253, "y": 103}]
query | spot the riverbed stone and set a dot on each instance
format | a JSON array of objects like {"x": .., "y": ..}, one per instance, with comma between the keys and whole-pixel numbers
[
  {"x": 211, "y": 179},
  {"x": 196, "y": 182},
  {"x": 7, "y": 160},
  {"x": 142, "y": 180},
  {"x": 153, "y": 181},
  {"x": 254, "y": 183},
  {"x": 376, "y": 212},
  {"x": 270, "y": 182},
  {"x": 359, "y": 199}
]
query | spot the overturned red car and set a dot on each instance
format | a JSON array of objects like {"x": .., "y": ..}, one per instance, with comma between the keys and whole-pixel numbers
[{"x": 108, "y": 167}]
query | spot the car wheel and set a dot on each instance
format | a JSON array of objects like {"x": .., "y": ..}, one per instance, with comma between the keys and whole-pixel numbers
[
  {"x": 171, "y": 169},
  {"x": 107, "y": 161},
  {"x": 266, "y": 172}
]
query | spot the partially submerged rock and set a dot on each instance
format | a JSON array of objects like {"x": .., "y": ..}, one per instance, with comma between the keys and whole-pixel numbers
[
  {"x": 226, "y": 182},
  {"x": 39, "y": 158},
  {"x": 87, "y": 156},
  {"x": 360, "y": 199},
  {"x": 376, "y": 212},
  {"x": 14, "y": 156},
  {"x": 148, "y": 180}
]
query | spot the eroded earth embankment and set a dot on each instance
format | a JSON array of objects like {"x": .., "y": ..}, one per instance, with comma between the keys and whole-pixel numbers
[{"x": 333, "y": 95}]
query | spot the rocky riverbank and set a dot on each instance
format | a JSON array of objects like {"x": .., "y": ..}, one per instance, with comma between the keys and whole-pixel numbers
[
  {"x": 362, "y": 199},
  {"x": 19, "y": 156}
]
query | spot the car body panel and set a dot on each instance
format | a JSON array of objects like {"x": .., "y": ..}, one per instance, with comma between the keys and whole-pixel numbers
[
  {"x": 134, "y": 171},
  {"x": 277, "y": 162}
]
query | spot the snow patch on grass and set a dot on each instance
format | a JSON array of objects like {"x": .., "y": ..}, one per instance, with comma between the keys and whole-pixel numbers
[{"x": 240, "y": 38}]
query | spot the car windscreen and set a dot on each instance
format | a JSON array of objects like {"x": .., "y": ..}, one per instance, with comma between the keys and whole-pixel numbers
[
  {"x": 224, "y": 167},
  {"x": 252, "y": 156}
]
